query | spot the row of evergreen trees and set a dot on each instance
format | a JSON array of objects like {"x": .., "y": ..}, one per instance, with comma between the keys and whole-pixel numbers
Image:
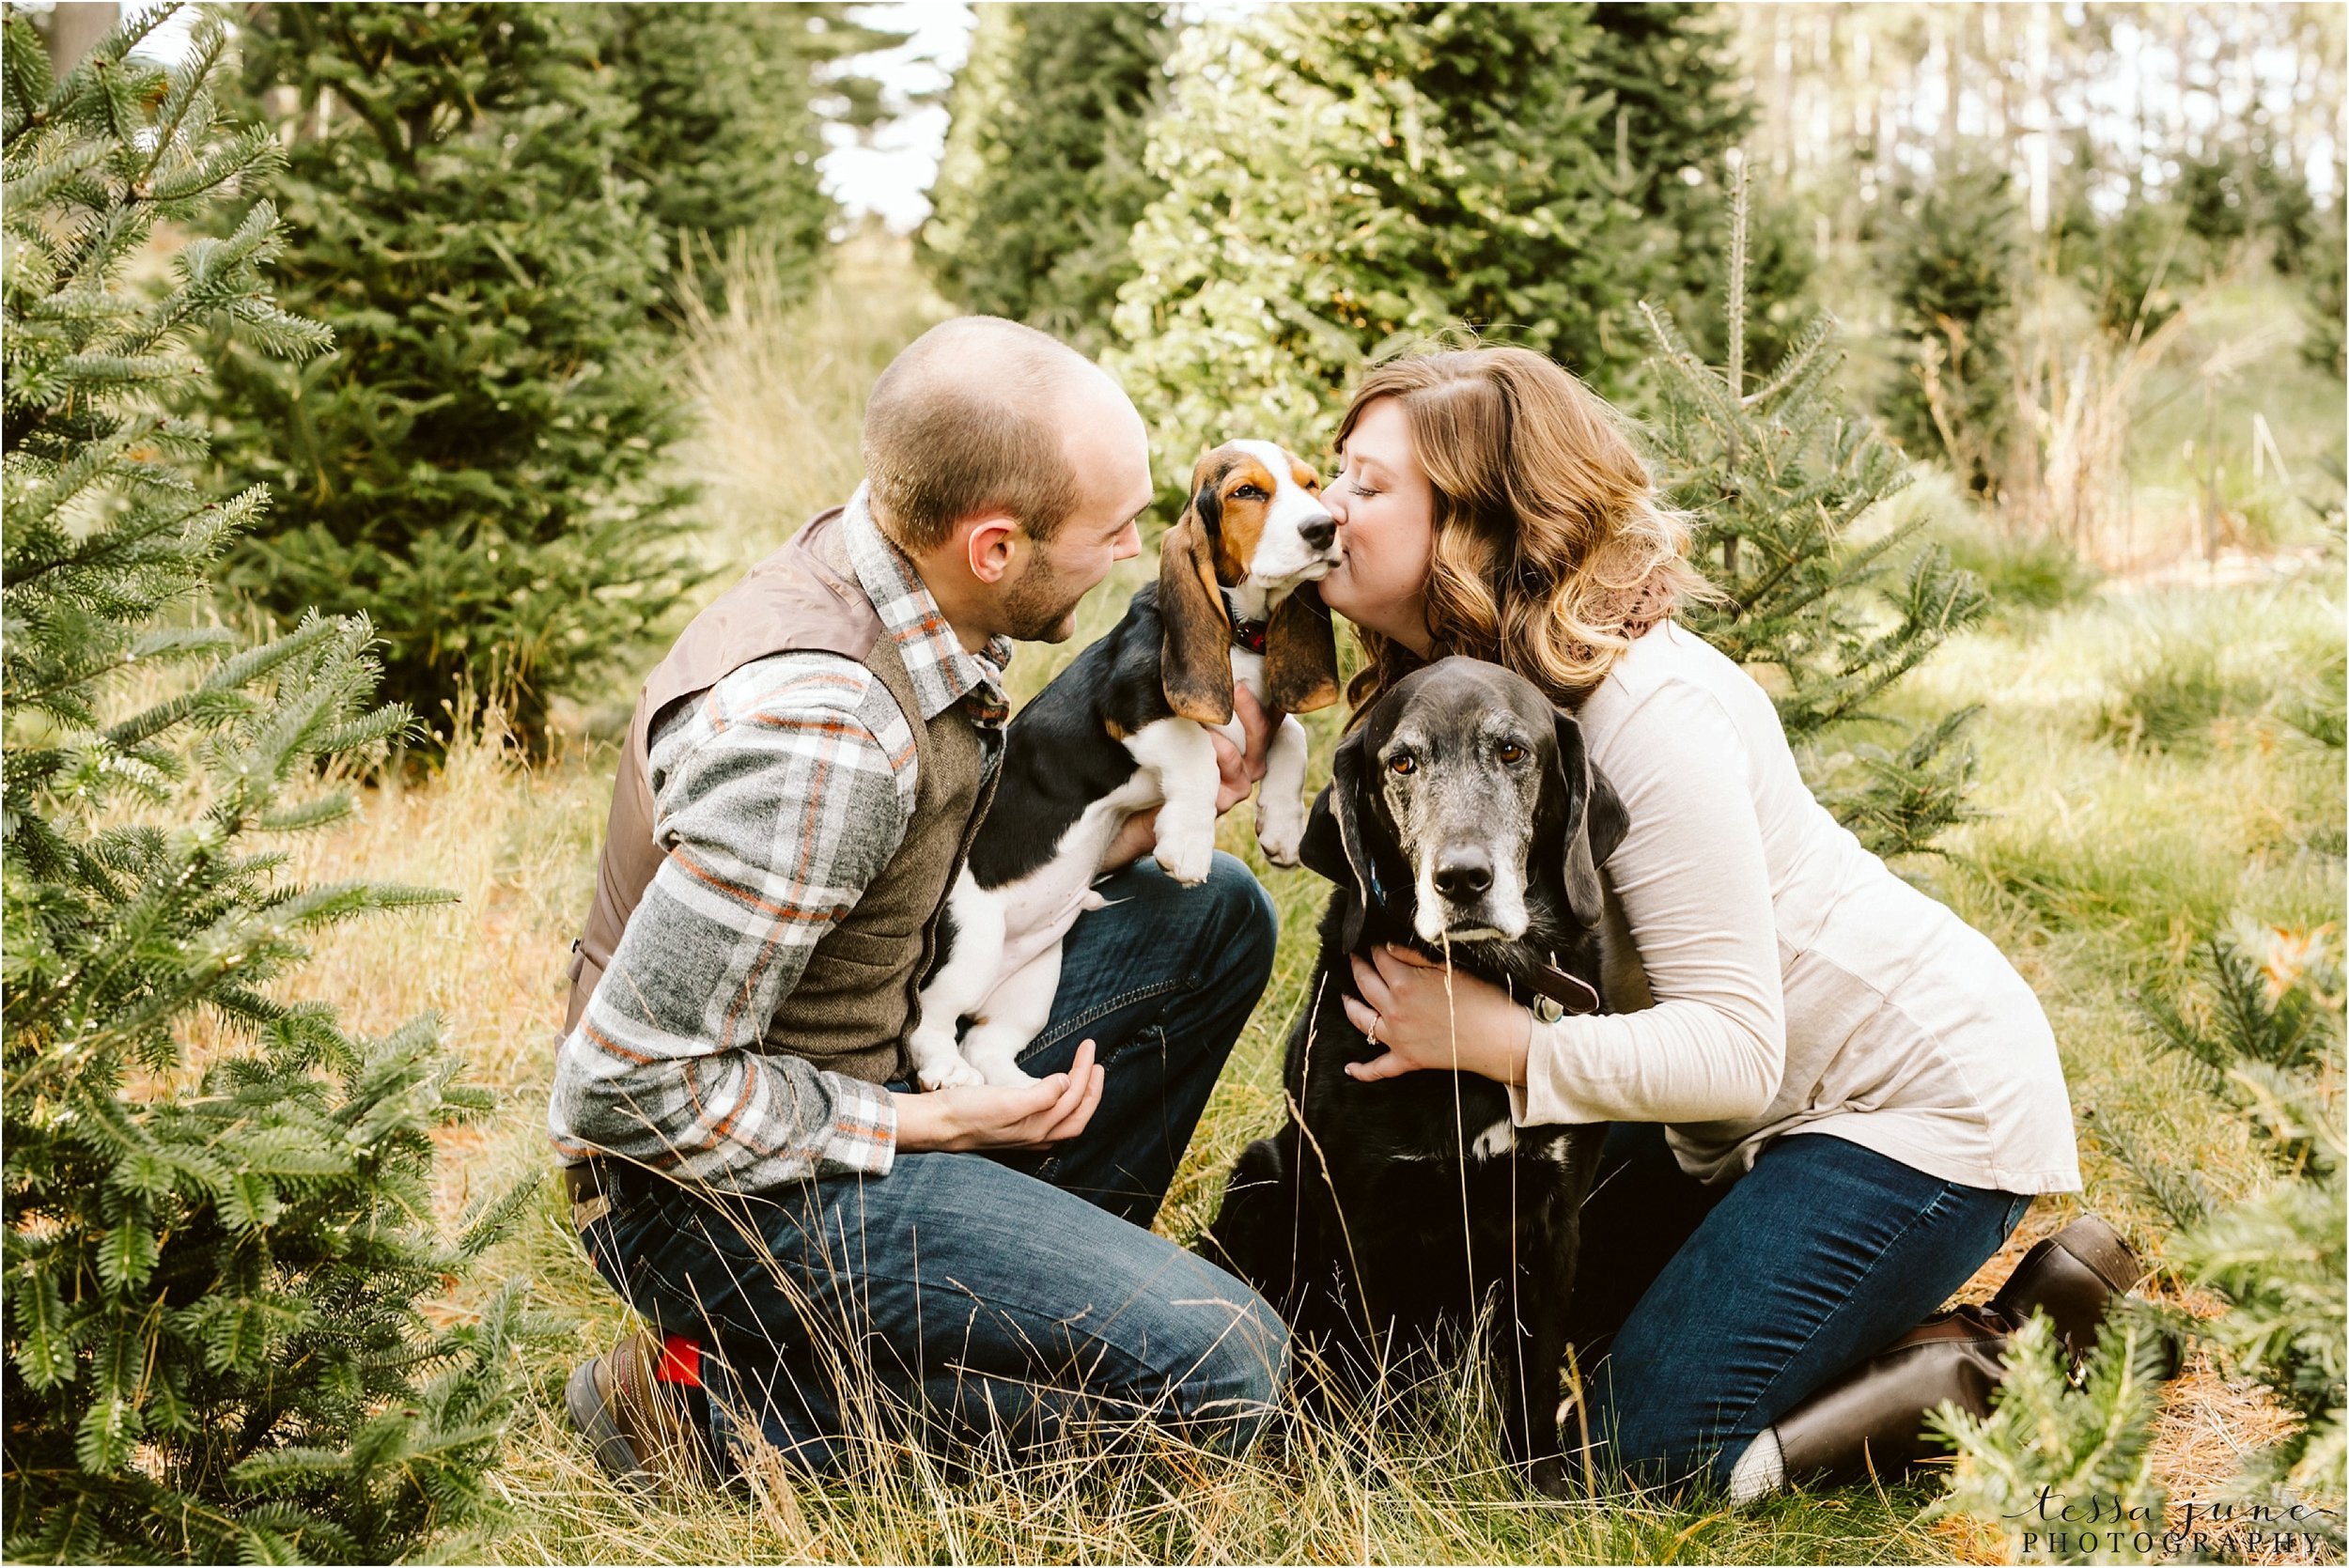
[
  {"x": 1309, "y": 188},
  {"x": 1958, "y": 258},
  {"x": 1275, "y": 196},
  {"x": 490, "y": 206},
  {"x": 1278, "y": 196},
  {"x": 402, "y": 385}
]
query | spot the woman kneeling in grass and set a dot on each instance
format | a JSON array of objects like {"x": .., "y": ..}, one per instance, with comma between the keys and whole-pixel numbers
[{"x": 1833, "y": 1098}]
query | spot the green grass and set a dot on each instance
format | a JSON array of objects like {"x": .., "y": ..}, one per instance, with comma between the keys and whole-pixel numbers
[{"x": 2153, "y": 765}]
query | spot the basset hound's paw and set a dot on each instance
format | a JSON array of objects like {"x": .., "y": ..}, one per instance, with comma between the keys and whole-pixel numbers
[
  {"x": 1280, "y": 830},
  {"x": 953, "y": 1073},
  {"x": 1187, "y": 857},
  {"x": 937, "y": 1064},
  {"x": 997, "y": 1065}
]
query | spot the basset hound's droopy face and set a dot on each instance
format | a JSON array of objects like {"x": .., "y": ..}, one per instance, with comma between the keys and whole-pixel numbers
[{"x": 1235, "y": 572}]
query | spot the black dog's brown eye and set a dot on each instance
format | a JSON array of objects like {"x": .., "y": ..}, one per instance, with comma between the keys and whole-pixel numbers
[
  {"x": 1401, "y": 762},
  {"x": 1511, "y": 753},
  {"x": 1248, "y": 492}
]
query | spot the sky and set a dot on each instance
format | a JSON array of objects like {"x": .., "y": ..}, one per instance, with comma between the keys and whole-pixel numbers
[{"x": 889, "y": 176}]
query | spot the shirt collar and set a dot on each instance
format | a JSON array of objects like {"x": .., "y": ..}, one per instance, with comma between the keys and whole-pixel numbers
[{"x": 942, "y": 671}]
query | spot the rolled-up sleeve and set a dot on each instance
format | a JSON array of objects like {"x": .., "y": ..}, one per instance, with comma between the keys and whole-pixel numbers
[
  {"x": 1695, "y": 892},
  {"x": 778, "y": 797}
]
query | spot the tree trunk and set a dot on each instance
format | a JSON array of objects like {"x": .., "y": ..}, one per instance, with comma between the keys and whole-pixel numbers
[{"x": 73, "y": 29}]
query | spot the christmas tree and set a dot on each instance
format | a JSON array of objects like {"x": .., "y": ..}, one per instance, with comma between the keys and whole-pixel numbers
[
  {"x": 1343, "y": 180},
  {"x": 213, "y": 1257},
  {"x": 719, "y": 133},
  {"x": 723, "y": 126},
  {"x": 1774, "y": 470},
  {"x": 477, "y": 468},
  {"x": 1951, "y": 264},
  {"x": 2262, "y": 1034},
  {"x": 1042, "y": 177}
]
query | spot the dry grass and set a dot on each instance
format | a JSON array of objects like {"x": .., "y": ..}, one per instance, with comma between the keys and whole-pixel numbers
[{"x": 2102, "y": 858}]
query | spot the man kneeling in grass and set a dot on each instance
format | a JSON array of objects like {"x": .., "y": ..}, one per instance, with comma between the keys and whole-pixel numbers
[{"x": 824, "y": 1255}]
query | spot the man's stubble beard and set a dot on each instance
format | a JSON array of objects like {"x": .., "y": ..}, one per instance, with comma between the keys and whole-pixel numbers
[{"x": 1038, "y": 608}]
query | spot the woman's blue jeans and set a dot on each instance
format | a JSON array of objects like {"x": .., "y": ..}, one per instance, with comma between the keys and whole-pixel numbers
[
  {"x": 961, "y": 1295},
  {"x": 1702, "y": 1314}
]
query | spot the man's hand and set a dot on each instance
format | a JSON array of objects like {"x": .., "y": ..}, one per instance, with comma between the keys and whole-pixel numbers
[
  {"x": 1238, "y": 771},
  {"x": 1028, "y": 1116},
  {"x": 1427, "y": 1016}
]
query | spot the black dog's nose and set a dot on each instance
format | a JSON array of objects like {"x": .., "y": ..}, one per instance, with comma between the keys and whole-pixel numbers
[
  {"x": 1464, "y": 871},
  {"x": 1318, "y": 532}
]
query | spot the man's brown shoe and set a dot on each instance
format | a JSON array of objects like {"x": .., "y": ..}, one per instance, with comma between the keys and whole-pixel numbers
[{"x": 638, "y": 1427}]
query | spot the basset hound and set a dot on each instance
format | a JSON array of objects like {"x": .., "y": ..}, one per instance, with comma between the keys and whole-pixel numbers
[{"x": 1125, "y": 727}]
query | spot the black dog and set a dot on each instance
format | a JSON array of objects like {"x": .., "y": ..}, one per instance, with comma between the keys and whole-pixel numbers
[{"x": 1462, "y": 813}]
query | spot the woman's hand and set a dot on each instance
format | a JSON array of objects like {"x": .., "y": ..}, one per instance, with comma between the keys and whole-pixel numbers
[
  {"x": 983, "y": 1116},
  {"x": 1427, "y": 1015},
  {"x": 1238, "y": 771}
]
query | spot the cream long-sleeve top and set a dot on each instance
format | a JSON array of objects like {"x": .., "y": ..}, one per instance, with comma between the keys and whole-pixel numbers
[{"x": 1768, "y": 975}]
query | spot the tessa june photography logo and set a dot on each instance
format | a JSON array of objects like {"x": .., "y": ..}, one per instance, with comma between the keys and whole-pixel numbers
[{"x": 2080, "y": 1527}]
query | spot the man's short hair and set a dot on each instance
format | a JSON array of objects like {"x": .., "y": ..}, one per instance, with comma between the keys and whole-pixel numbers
[{"x": 966, "y": 419}]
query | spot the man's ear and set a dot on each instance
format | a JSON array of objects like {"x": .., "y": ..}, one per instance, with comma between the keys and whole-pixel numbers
[
  {"x": 1300, "y": 653},
  {"x": 1195, "y": 654},
  {"x": 1596, "y": 821},
  {"x": 987, "y": 547}
]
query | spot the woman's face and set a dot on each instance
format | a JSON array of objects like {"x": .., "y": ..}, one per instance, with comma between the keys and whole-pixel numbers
[{"x": 1385, "y": 515}]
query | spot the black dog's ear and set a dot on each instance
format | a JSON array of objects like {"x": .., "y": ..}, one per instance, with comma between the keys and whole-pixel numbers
[
  {"x": 1596, "y": 821},
  {"x": 1335, "y": 842},
  {"x": 1322, "y": 850}
]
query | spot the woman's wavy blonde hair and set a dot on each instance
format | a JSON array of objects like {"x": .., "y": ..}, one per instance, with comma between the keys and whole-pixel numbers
[{"x": 1552, "y": 549}]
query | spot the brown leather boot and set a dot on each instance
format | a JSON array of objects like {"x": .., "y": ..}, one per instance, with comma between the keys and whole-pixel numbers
[
  {"x": 1871, "y": 1420},
  {"x": 2071, "y": 1276},
  {"x": 637, "y": 1425}
]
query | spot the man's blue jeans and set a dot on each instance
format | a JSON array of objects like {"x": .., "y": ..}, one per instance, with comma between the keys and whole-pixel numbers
[
  {"x": 961, "y": 1295},
  {"x": 1703, "y": 1314}
]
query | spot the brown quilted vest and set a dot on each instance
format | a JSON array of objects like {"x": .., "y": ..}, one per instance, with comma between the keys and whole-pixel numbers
[{"x": 854, "y": 1000}]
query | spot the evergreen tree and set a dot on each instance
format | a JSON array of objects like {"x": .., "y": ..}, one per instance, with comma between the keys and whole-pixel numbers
[
  {"x": 214, "y": 1350},
  {"x": 1343, "y": 180},
  {"x": 2264, "y": 1035},
  {"x": 721, "y": 131},
  {"x": 1043, "y": 175},
  {"x": 2328, "y": 306},
  {"x": 726, "y": 109},
  {"x": 1774, "y": 470},
  {"x": 1672, "y": 73},
  {"x": 478, "y": 467},
  {"x": 1952, "y": 270},
  {"x": 2075, "y": 1442},
  {"x": 2134, "y": 269},
  {"x": 2214, "y": 192},
  {"x": 2284, "y": 208}
]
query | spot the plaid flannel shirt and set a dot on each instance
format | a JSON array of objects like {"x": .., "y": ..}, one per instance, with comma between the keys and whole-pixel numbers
[{"x": 779, "y": 795}]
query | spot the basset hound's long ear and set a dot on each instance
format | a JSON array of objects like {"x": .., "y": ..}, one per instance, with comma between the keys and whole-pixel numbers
[
  {"x": 1300, "y": 653},
  {"x": 1596, "y": 821},
  {"x": 1337, "y": 844},
  {"x": 1195, "y": 654}
]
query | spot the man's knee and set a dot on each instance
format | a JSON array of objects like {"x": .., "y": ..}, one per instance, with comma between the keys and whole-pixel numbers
[
  {"x": 1232, "y": 1390},
  {"x": 1240, "y": 920}
]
